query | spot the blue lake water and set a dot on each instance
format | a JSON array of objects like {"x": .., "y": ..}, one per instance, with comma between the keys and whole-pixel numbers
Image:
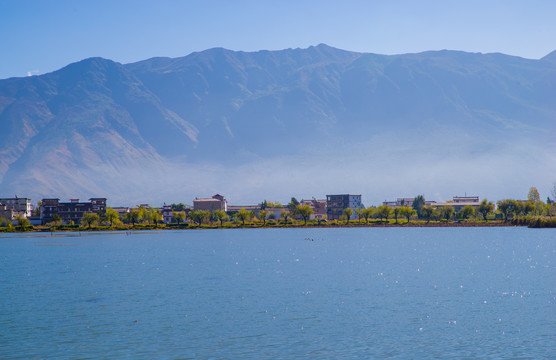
[{"x": 437, "y": 293}]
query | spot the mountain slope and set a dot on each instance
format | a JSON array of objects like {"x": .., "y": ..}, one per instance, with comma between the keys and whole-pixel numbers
[
  {"x": 89, "y": 114},
  {"x": 245, "y": 100},
  {"x": 96, "y": 125}
]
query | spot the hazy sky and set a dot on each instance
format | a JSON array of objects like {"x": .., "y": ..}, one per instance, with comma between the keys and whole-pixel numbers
[{"x": 42, "y": 36}]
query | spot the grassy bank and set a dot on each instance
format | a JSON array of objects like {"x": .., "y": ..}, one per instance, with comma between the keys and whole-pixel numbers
[{"x": 535, "y": 221}]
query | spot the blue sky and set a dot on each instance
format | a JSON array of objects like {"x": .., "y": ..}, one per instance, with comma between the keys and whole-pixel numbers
[{"x": 42, "y": 36}]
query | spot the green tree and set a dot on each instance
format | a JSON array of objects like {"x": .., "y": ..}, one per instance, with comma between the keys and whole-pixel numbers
[
  {"x": 396, "y": 213},
  {"x": 447, "y": 212},
  {"x": 466, "y": 212},
  {"x": 101, "y": 217},
  {"x": 435, "y": 213},
  {"x": 347, "y": 214},
  {"x": 539, "y": 207},
  {"x": 4, "y": 222},
  {"x": 485, "y": 208},
  {"x": 22, "y": 222},
  {"x": 367, "y": 213},
  {"x": 418, "y": 203},
  {"x": 407, "y": 212},
  {"x": 272, "y": 204},
  {"x": 153, "y": 216},
  {"x": 262, "y": 215},
  {"x": 359, "y": 212},
  {"x": 199, "y": 216},
  {"x": 193, "y": 216},
  {"x": 56, "y": 219},
  {"x": 89, "y": 218},
  {"x": 132, "y": 217},
  {"x": 506, "y": 207},
  {"x": 533, "y": 195},
  {"x": 383, "y": 212},
  {"x": 549, "y": 209},
  {"x": 112, "y": 216},
  {"x": 305, "y": 211},
  {"x": 292, "y": 205},
  {"x": 179, "y": 216},
  {"x": 285, "y": 215},
  {"x": 427, "y": 212},
  {"x": 178, "y": 207},
  {"x": 221, "y": 216},
  {"x": 518, "y": 207},
  {"x": 528, "y": 207},
  {"x": 243, "y": 215},
  {"x": 37, "y": 210},
  {"x": 142, "y": 216},
  {"x": 204, "y": 215}
]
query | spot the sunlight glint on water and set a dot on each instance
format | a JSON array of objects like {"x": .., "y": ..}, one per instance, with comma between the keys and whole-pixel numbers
[{"x": 289, "y": 293}]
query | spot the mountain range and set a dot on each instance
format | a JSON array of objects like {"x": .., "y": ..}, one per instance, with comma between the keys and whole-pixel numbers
[{"x": 254, "y": 125}]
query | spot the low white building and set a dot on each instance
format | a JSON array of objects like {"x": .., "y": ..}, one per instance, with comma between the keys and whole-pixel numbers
[
  {"x": 459, "y": 202},
  {"x": 406, "y": 202}
]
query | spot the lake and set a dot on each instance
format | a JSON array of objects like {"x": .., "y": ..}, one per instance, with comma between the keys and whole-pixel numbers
[{"x": 355, "y": 293}]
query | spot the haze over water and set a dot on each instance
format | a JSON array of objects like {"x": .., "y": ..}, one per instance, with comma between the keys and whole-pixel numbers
[{"x": 284, "y": 293}]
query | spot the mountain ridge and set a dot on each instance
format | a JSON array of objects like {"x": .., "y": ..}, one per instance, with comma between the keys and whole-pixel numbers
[{"x": 99, "y": 118}]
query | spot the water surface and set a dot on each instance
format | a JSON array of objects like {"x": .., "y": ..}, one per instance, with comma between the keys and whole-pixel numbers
[{"x": 280, "y": 293}]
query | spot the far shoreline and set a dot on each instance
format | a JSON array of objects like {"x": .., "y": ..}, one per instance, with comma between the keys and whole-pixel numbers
[{"x": 189, "y": 226}]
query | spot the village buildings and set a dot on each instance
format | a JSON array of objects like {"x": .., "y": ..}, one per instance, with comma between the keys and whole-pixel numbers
[
  {"x": 331, "y": 208},
  {"x": 457, "y": 202},
  {"x": 319, "y": 208}
]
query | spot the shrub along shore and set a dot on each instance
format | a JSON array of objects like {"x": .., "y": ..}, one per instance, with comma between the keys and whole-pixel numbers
[
  {"x": 535, "y": 221},
  {"x": 529, "y": 221}
]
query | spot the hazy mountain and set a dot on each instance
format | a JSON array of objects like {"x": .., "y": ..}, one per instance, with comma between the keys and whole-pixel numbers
[
  {"x": 270, "y": 123},
  {"x": 89, "y": 115}
]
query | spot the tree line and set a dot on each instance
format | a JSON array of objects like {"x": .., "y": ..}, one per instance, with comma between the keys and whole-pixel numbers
[{"x": 293, "y": 211}]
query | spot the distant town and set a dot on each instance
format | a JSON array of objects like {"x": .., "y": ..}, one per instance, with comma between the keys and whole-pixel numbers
[{"x": 342, "y": 209}]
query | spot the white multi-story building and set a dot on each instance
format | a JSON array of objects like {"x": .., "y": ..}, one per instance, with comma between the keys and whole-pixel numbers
[
  {"x": 21, "y": 206},
  {"x": 167, "y": 214}
]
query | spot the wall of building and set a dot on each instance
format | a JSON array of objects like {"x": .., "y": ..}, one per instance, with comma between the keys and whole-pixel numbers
[
  {"x": 22, "y": 206},
  {"x": 335, "y": 205}
]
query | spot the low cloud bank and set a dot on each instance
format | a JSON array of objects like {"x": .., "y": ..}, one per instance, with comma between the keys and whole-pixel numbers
[{"x": 374, "y": 169}]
